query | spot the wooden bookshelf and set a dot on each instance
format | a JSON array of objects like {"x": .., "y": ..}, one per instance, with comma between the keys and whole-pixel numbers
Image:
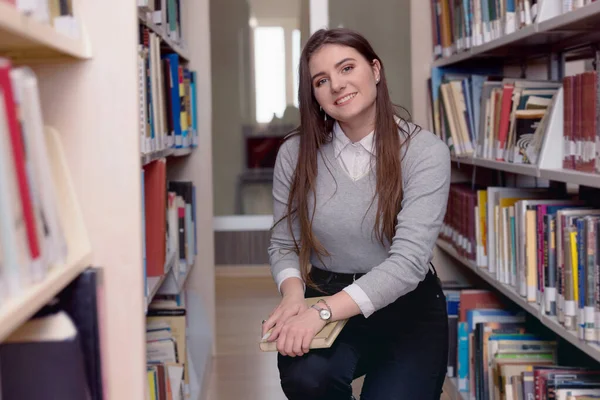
[
  {"x": 90, "y": 104},
  {"x": 24, "y": 39},
  {"x": 533, "y": 309},
  {"x": 18, "y": 310}
]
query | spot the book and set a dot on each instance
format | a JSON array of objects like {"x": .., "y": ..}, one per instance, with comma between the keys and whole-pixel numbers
[{"x": 322, "y": 340}]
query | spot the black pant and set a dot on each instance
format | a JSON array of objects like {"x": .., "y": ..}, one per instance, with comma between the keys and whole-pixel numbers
[{"x": 402, "y": 349}]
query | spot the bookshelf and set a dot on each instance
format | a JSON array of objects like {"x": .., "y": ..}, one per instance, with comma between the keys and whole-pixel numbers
[
  {"x": 189, "y": 281},
  {"x": 89, "y": 99},
  {"x": 533, "y": 309},
  {"x": 548, "y": 33},
  {"x": 24, "y": 39},
  {"x": 487, "y": 138}
]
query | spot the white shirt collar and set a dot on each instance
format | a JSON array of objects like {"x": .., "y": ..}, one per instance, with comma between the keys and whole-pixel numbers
[{"x": 341, "y": 141}]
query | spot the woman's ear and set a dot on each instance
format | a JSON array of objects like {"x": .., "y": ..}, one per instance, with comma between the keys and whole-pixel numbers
[{"x": 376, "y": 65}]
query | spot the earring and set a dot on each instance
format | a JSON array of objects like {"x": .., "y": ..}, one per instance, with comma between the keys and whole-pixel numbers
[{"x": 324, "y": 113}]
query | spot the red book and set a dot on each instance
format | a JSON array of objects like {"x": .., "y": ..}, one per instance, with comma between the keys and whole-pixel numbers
[
  {"x": 18, "y": 152},
  {"x": 577, "y": 120},
  {"x": 504, "y": 121},
  {"x": 588, "y": 121},
  {"x": 474, "y": 299},
  {"x": 568, "y": 113},
  {"x": 155, "y": 203}
]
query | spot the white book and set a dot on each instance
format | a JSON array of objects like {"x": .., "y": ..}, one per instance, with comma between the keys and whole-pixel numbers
[
  {"x": 13, "y": 237},
  {"x": 45, "y": 198}
]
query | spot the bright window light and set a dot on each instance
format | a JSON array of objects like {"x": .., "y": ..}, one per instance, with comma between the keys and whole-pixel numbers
[{"x": 269, "y": 56}]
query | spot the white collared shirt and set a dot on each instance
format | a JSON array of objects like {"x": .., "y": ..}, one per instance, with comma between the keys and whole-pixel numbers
[{"x": 355, "y": 158}]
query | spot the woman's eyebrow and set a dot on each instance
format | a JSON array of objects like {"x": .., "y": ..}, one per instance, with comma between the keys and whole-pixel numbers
[{"x": 337, "y": 65}]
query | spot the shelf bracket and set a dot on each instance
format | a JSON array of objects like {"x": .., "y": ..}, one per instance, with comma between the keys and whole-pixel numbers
[
  {"x": 523, "y": 65},
  {"x": 556, "y": 66}
]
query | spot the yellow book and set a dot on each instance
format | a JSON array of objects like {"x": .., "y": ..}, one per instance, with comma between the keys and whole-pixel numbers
[
  {"x": 152, "y": 383},
  {"x": 322, "y": 340},
  {"x": 574, "y": 266},
  {"x": 482, "y": 204}
]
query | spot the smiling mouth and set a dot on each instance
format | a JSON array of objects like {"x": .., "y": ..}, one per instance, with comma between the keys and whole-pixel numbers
[{"x": 345, "y": 99}]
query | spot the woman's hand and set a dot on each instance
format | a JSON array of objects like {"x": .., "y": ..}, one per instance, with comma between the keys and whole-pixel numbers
[
  {"x": 291, "y": 304},
  {"x": 298, "y": 332}
]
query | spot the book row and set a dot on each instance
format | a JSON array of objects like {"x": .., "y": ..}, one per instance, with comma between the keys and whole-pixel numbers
[
  {"x": 166, "y": 14},
  {"x": 492, "y": 117},
  {"x": 57, "y": 13},
  {"x": 541, "y": 244},
  {"x": 58, "y": 353},
  {"x": 496, "y": 354},
  {"x": 459, "y": 25},
  {"x": 167, "y": 92},
  {"x": 168, "y": 222},
  {"x": 581, "y": 147},
  {"x": 32, "y": 237},
  {"x": 166, "y": 348}
]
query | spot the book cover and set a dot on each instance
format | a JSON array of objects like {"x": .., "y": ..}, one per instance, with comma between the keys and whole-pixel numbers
[{"x": 323, "y": 339}]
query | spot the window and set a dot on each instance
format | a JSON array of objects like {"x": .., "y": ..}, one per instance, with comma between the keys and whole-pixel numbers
[{"x": 269, "y": 56}]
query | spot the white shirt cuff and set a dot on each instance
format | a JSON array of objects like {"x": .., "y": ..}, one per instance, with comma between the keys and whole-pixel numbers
[
  {"x": 287, "y": 273},
  {"x": 361, "y": 299}
]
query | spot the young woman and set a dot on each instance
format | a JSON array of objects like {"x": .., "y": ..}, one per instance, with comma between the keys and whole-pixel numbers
[{"x": 359, "y": 198}]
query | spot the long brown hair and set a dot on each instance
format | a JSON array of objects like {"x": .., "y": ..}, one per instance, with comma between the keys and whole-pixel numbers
[{"x": 315, "y": 131}]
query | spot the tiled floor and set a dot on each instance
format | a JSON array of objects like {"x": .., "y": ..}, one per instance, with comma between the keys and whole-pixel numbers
[{"x": 240, "y": 370}]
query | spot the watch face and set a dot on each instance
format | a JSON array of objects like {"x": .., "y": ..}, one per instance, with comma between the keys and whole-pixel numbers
[{"x": 325, "y": 314}]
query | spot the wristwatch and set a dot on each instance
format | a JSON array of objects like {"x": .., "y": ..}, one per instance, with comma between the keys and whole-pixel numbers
[{"x": 324, "y": 313}]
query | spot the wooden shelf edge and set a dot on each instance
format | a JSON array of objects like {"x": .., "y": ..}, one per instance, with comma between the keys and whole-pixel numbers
[
  {"x": 571, "y": 176},
  {"x": 522, "y": 169},
  {"x": 168, "y": 152},
  {"x": 16, "y": 311},
  {"x": 40, "y": 34},
  {"x": 150, "y": 157},
  {"x": 169, "y": 263},
  {"x": 451, "y": 389},
  {"x": 550, "y": 322},
  {"x": 173, "y": 286},
  {"x": 182, "y": 152}
]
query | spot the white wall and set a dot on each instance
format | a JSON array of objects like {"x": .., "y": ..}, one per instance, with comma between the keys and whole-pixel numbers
[{"x": 387, "y": 26}]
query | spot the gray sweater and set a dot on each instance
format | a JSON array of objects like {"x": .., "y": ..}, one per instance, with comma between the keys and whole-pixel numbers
[{"x": 343, "y": 221}]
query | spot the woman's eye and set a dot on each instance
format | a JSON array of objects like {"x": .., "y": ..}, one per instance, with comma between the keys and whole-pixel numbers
[
  {"x": 347, "y": 68},
  {"x": 321, "y": 82}
]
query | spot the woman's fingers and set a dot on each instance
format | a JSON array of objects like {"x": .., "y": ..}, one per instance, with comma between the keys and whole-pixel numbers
[
  {"x": 306, "y": 342},
  {"x": 270, "y": 323},
  {"x": 275, "y": 333},
  {"x": 297, "y": 347}
]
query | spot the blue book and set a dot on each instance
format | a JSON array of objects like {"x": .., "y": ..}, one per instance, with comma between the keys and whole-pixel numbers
[
  {"x": 175, "y": 97},
  {"x": 194, "y": 111},
  {"x": 452, "y": 301},
  {"x": 474, "y": 317},
  {"x": 463, "y": 357},
  {"x": 581, "y": 278}
]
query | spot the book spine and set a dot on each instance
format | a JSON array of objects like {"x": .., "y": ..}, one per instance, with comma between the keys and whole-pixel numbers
[{"x": 590, "y": 287}]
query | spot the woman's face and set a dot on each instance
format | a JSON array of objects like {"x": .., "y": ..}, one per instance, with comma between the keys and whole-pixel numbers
[{"x": 343, "y": 82}]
